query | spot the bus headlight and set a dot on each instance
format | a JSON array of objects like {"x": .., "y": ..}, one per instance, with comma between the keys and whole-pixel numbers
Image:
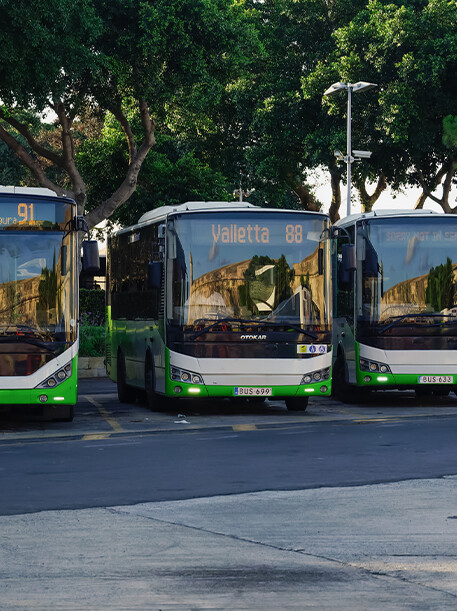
[
  {"x": 373, "y": 366},
  {"x": 57, "y": 378},
  {"x": 182, "y": 375},
  {"x": 316, "y": 376}
]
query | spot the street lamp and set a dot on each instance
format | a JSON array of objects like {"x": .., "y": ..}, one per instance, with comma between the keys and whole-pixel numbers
[{"x": 349, "y": 157}]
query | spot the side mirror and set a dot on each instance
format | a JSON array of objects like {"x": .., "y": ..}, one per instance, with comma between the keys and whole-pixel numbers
[
  {"x": 370, "y": 262},
  {"x": 347, "y": 265},
  {"x": 155, "y": 274},
  {"x": 320, "y": 261},
  {"x": 63, "y": 260},
  {"x": 348, "y": 257},
  {"x": 91, "y": 257}
]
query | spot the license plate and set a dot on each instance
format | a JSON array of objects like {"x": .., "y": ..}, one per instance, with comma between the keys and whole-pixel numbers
[
  {"x": 436, "y": 379},
  {"x": 251, "y": 391}
]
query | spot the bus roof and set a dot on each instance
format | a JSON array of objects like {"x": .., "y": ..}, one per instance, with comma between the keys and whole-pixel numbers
[
  {"x": 353, "y": 218},
  {"x": 13, "y": 190},
  {"x": 163, "y": 211}
]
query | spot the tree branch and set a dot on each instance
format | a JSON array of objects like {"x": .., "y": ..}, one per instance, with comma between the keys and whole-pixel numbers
[
  {"x": 25, "y": 158},
  {"x": 428, "y": 191},
  {"x": 68, "y": 156},
  {"x": 137, "y": 157},
  {"x": 127, "y": 129},
  {"x": 368, "y": 201},
  {"x": 34, "y": 144},
  {"x": 335, "y": 181},
  {"x": 307, "y": 199}
]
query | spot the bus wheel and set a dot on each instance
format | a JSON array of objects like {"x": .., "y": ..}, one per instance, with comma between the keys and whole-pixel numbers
[
  {"x": 62, "y": 413},
  {"x": 297, "y": 404},
  {"x": 153, "y": 400},
  {"x": 122, "y": 388},
  {"x": 340, "y": 388}
]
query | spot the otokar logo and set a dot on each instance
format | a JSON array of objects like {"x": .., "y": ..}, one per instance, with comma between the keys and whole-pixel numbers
[{"x": 254, "y": 337}]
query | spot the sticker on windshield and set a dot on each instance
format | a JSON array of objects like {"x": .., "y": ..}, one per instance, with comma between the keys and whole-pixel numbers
[{"x": 311, "y": 348}]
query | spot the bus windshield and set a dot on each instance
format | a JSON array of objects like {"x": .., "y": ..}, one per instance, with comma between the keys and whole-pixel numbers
[
  {"x": 406, "y": 270},
  {"x": 37, "y": 302},
  {"x": 247, "y": 271}
]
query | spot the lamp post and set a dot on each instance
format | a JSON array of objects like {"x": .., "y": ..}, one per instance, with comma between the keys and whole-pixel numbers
[{"x": 349, "y": 158}]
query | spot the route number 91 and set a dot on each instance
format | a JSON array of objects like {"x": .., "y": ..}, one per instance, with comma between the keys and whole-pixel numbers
[{"x": 25, "y": 212}]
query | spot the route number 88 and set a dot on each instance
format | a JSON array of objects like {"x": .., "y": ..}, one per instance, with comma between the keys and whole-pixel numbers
[{"x": 294, "y": 233}]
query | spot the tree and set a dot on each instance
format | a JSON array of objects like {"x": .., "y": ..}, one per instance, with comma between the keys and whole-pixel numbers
[
  {"x": 440, "y": 289},
  {"x": 170, "y": 175},
  {"x": 409, "y": 48},
  {"x": 146, "y": 63},
  {"x": 289, "y": 133}
]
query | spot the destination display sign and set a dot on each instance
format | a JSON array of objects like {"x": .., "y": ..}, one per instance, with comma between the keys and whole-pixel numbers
[
  {"x": 34, "y": 214},
  {"x": 421, "y": 236},
  {"x": 255, "y": 233}
]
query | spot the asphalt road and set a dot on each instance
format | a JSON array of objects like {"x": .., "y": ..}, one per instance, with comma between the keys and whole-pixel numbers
[
  {"x": 230, "y": 507},
  {"x": 116, "y": 454}
]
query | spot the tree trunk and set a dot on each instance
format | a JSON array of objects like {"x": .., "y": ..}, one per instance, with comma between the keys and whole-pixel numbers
[
  {"x": 307, "y": 199},
  {"x": 367, "y": 200},
  {"x": 335, "y": 181}
]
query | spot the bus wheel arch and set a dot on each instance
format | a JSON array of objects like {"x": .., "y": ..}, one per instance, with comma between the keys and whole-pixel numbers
[
  {"x": 341, "y": 389},
  {"x": 121, "y": 377},
  {"x": 153, "y": 400}
]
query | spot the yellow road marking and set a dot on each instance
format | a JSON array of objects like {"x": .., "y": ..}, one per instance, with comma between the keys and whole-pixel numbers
[
  {"x": 244, "y": 427},
  {"x": 114, "y": 424},
  {"x": 95, "y": 436}
]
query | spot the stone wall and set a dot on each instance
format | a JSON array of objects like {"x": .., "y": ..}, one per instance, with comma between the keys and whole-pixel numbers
[{"x": 91, "y": 367}]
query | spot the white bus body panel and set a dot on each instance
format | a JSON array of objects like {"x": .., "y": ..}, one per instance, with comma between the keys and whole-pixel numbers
[
  {"x": 251, "y": 372},
  {"x": 424, "y": 362},
  {"x": 39, "y": 376}
]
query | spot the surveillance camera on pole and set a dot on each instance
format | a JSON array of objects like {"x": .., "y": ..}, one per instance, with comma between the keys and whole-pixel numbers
[
  {"x": 350, "y": 88},
  {"x": 362, "y": 154}
]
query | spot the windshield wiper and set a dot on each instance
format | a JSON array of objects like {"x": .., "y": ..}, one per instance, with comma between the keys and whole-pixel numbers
[
  {"x": 399, "y": 319},
  {"x": 5, "y": 339},
  {"x": 221, "y": 321},
  {"x": 298, "y": 328},
  {"x": 243, "y": 321}
]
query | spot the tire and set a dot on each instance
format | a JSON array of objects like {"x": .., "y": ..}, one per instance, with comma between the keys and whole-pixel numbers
[
  {"x": 62, "y": 413},
  {"x": 123, "y": 391},
  {"x": 340, "y": 388},
  {"x": 153, "y": 400},
  {"x": 424, "y": 394},
  {"x": 297, "y": 404},
  {"x": 69, "y": 413}
]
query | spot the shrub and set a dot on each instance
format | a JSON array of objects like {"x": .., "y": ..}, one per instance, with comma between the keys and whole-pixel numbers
[
  {"x": 92, "y": 307},
  {"x": 91, "y": 340}
]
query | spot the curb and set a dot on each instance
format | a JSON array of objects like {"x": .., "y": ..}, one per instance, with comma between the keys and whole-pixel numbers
[{"x": 91, "y": 367}]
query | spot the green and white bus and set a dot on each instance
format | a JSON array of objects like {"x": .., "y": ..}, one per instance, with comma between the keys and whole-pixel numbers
[
  {"x": 39, "y": 271},
  {"x": 220, "y": 300},
  {"x": 395, "y": 302}
]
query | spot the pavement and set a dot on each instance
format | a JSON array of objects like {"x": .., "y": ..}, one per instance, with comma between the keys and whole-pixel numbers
[{"x": 389, "y": 546}]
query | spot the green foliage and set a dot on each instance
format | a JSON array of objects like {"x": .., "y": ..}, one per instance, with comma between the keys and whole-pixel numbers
[
  {"x": 92, "y": 307},
  {"x": 409, "y": 49},
  {"x": 11, "y": 171},
  {"x": 450, "y": 131},
  {"x": 53, "y": 57},
  {"x": 91, "y": 340},
  {"x": 175, "y": 60},
  {"x": 170, "y": 175},
  {"x": 440, "y": 290},
  {"x": 235, "y": 88}
]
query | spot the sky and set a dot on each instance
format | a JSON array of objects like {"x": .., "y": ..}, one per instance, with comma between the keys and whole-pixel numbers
[{"x": 405, "y": 200}]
